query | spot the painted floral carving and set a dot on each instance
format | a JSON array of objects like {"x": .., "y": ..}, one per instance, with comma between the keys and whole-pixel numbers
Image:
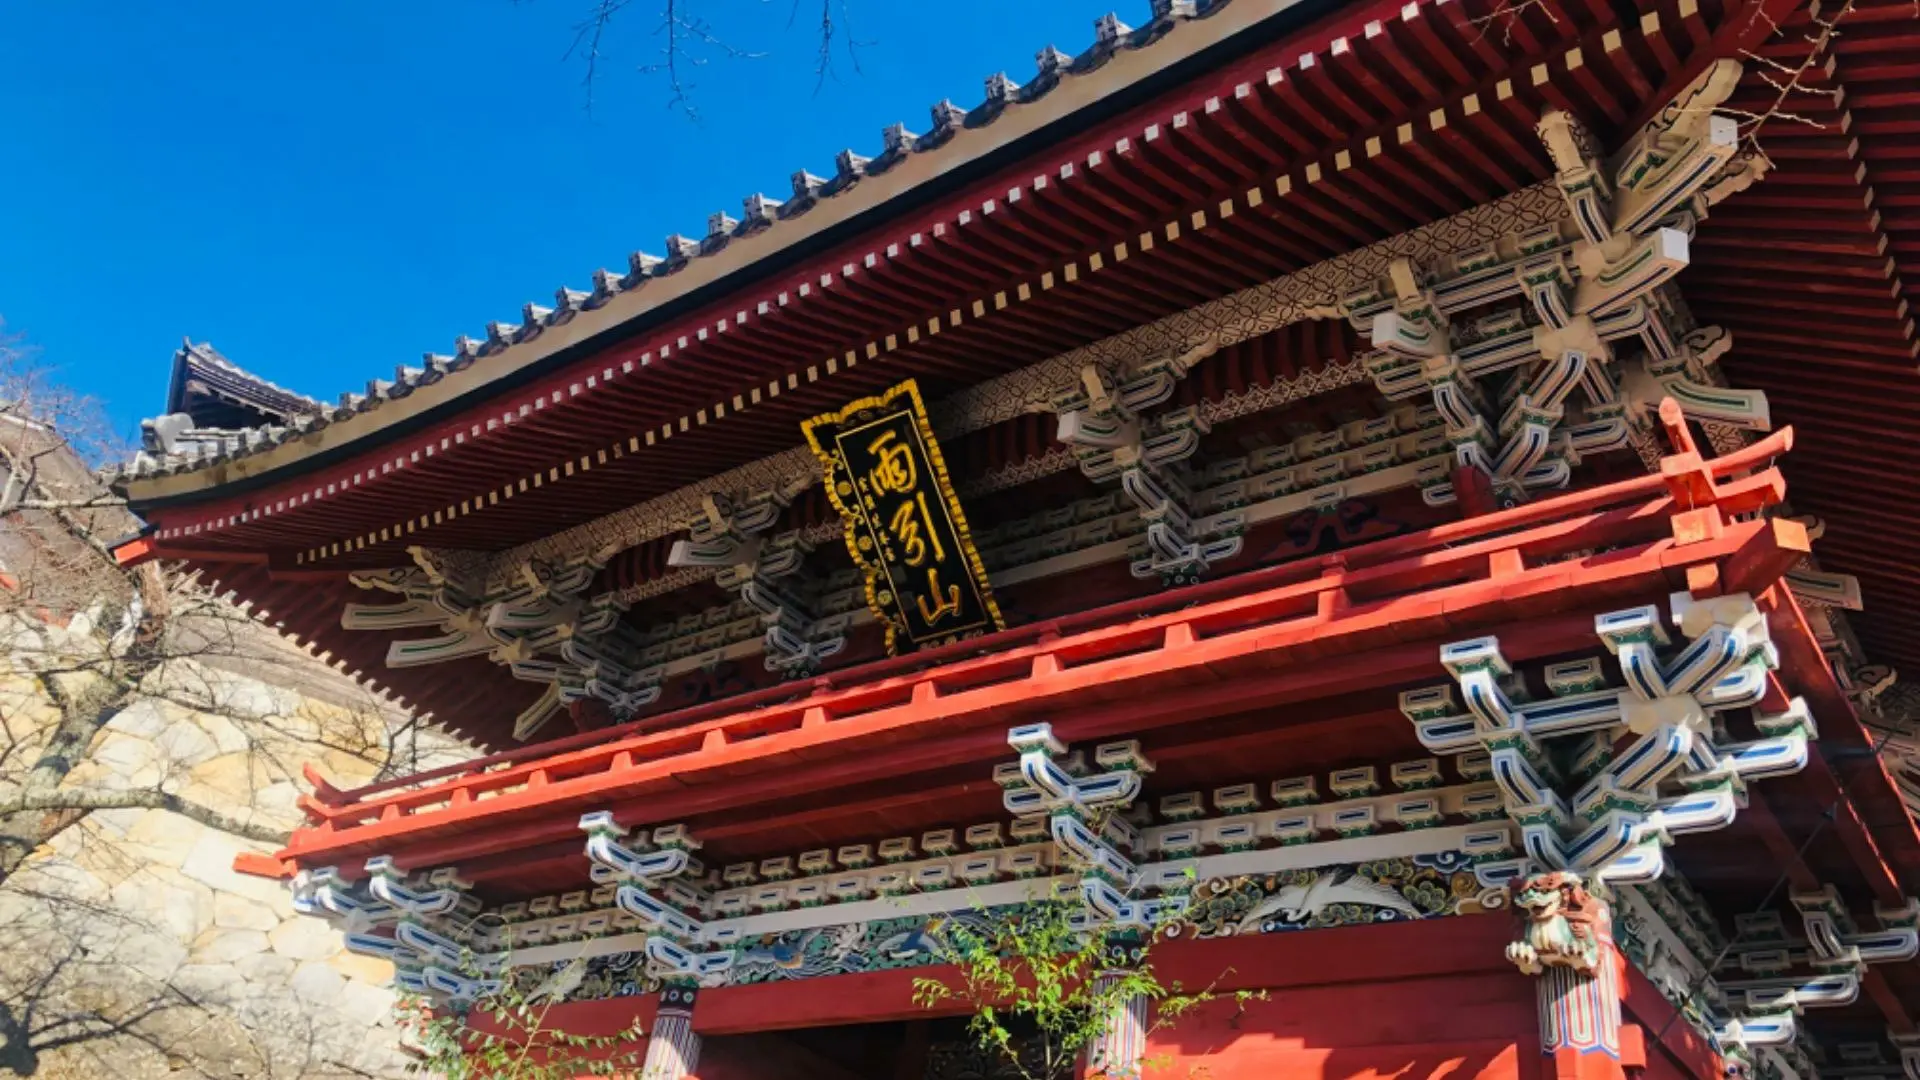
[
  {"x": 879, "y": 945},
  {"x": 622, "y": 974},
  {"x": 1386, "y": 890}
]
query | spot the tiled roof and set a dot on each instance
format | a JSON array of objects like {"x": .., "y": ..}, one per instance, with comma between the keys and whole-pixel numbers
[
  {"x": 171, "y": 446},
  {"x": 177, "y": 440},
  {"x": 201, "y": 368}
]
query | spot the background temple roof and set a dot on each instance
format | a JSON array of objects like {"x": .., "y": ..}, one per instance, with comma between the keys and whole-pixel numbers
[
  {"x": 218, "y": 393},
  {"x": 214, "y": 408}
]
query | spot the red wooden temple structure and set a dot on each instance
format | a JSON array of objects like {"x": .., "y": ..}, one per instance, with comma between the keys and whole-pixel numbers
[{"x": 1352, "y": 488}]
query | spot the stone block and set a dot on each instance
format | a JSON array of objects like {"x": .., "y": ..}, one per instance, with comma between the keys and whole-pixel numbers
[
  {"x": 60, "y": 877},
  {"x": 219, "y": 946},
  {"x": 209, "y": 983},
  {"x": 304, "y": 937},
  {"x": 364, "y": 1003},
  {"x": 256, "y": 700},
  {"x": 176, "y": 907},
  {"x": 347, "y": 770},
  {"x": 142, "y": 719},
  {"x": 114, "y": 824},
  {"x": 266, "y": 970},
  {"x": 132, "y": 761},
  {"x": 97, "y": 853},
  {"x": 154, "y": 955},
  {"x": 210, "y": 862},
  {"x": 278, "y": 990},
  {"x": 227, "y": 736},
  {"x": 232, "y": 912},
  {"x": 366, "y": 969},
  {"x": 229, "y": 779},
  {"x": 381, "y": 1058},
  {"x": 316, "y": 983},
  {"x": 161, "y": 838},
  {"x": 275, "y": 806},
  {"x": 185, "y": 742}
]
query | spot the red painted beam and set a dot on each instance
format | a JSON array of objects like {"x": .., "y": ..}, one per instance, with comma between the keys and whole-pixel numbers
[
  {"x": 1095, "y": 700},
  {"x": 1613, "y": 513},
  {"x": 1368, "y": 619},
  {"x": 135, "y": 551},
  {"x": 776, "y": 825},
  {"x": 1376, "y": 953},
  {"x": 1664, "y": 1030},
  {"x": 258, "y": 865},
  {"x": 1884, "y": 842},
  {"x": 420, "y": 844}
]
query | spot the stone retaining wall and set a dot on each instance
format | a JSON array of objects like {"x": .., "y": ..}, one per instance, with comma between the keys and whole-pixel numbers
[{"x": 137, "y": 917}]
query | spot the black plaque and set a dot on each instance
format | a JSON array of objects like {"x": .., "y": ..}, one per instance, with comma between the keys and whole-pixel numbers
[{"x": 904, "y": 524}]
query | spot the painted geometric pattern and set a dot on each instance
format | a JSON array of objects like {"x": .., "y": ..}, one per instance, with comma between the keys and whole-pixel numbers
[{"x": 1378, "y": 891}]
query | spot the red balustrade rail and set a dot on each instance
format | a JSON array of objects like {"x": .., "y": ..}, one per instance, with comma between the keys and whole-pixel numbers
[
  {"x": 1185, "y": 653},
  {"x": 1637, "y": 491}
]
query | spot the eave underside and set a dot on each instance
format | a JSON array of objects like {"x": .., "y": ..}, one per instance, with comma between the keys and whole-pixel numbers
[
  {"x": 1343, "y": 141},
  {"x": 1804, "y": 269},
  {"x": 1814, "y": 271}
]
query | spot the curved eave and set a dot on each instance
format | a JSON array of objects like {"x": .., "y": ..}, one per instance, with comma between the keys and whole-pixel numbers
[
  {"x": 741, "y": 260},
  {"x": 1450, "y": 129}
]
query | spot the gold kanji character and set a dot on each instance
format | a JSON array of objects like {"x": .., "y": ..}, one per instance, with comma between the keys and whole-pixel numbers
[
  {"x": 894, "y": 472},
  {"x": 941, "y": 608},
  {"x": 906, "y": 524},
  {"x": 906, "y": 528}
]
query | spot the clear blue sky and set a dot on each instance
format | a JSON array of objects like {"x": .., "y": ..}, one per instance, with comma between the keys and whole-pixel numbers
[{"x": 326, "y": 189}]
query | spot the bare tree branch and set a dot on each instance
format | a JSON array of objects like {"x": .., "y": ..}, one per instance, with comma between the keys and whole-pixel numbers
[
  {"x": 90, "y": 799},
  {"x": 1786, "y": 81},
  {"x": 1507, "y": 14},
  {"x": 823, "y": 67},
  {"x": 690, "y": 41},
  {"x": 587, "y": 36},
  {"x": 63, "y": 504},
  {"x": 85, "y": 642}
]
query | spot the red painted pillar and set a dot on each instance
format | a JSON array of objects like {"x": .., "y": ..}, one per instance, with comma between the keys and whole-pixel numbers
[
  {"x": 1122, "y": 1045},
  {"x": 1580, "y": 1022},
  {"x": 673, "y": 1048}
]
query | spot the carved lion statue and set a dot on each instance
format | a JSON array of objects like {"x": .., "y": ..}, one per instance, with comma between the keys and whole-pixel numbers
[{"x": 1562, "y": 924}]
